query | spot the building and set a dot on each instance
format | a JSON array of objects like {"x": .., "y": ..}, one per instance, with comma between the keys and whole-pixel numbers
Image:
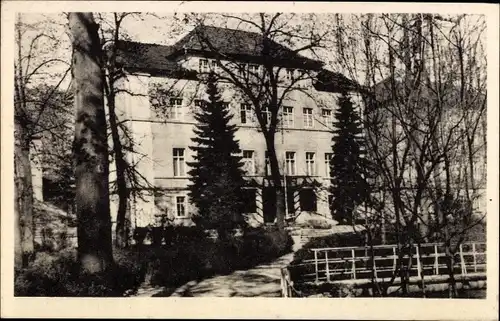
[{"x": 162, "y": 89}]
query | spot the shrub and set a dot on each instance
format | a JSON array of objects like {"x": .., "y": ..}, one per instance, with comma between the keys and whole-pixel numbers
[
  {"x": 305, "y": 253},
  {"x": 334, "y": 240},
  {"x": 261, "y": 245},
  {"x": 140, "y": 234},
  {"x": 317, "y": 224},
  {"x": 185, "y": 259},
  {"x": 59, "y": 275}
]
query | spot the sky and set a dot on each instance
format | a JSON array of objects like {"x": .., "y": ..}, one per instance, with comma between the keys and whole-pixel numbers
[{"x": 167, "y": 28}]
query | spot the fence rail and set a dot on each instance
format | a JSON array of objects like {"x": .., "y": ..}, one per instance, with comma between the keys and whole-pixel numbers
[{"x": 381, "y": 262}]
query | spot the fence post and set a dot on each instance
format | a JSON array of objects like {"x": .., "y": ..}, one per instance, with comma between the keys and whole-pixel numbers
[
  {"x": 418, "y": 262},
  {"x": 327, "y": 267},
  {"x": 436, "y": 259},
  {"x": 316, "y": 265},
  {"x": 394, "y": 256},
  {"x": 284, "y": 286},
  {"x": 474, "y": 256},
  {"x": 462, "y": 261},
  {"x": 353, "y": 264}
]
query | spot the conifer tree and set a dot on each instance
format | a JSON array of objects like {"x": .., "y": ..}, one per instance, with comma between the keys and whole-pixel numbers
[
  {"x": 216, "y": 174},
  {"x": 348, "y": 167}
]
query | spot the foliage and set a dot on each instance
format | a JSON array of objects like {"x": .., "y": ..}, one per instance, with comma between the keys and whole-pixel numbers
[
  {"x": 59, "y": 275},
  {"x": 334, "y": 240},
  {"x": 349, "y": 185},
  {"x": 315, "y": 223},
  {"x": 216, "y": 174},
  {"x": 305, "y": 253},
  {"x": 188, "y": 259}
]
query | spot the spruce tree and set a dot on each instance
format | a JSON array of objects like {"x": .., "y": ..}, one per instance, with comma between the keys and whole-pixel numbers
[
  {"x": 216, "y": 174},
  {"x": 349, "y": 186}
]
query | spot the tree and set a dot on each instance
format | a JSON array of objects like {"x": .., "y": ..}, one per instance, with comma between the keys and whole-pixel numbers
[
  {"x": 129, "y": 181},
  {"x": 90, "y": 147},
  {"x": 35, "y": 43},
  {"x": 267, "y": 88},
  {"x": 349, "y": 186},
  {"x": 428, "y": 107},
  {"x": 216, "y": 174}
]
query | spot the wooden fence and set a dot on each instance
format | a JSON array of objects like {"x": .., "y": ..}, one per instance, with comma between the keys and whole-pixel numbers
[{"x": 336, "y": 264}]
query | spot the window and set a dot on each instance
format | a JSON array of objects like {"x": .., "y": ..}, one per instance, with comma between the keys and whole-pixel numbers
[
  {"x": 180, "y": 205},
  {"x": 246, "y": 114},
  {"x": 266, "y": 114},
  {"x": 310, "y": 164},
  {"x": 254, "y": 70},
  {"x": 307, "y": 200},
  {"x": 249, "y": 200},
  {"x": 328, "y": 157},
  {"x": 308, "y": 118},
  {"x": 225, "y": 104},
  {"x": 327, "y": 117},
  {"x": 268, "y": 164},
  {"x": 204, "y": 65},
  {"x": 290, "y": 163},
  {"x": 179, "y": 162},
  {"x": 198, "y": 102},
  {"x": 249, "y": 161},
  {"x": 176, "y": 111},
  {"x": 287, "y": 116},
  {"x": 214, "y": 66},
  {"x": 290, "y": 74}
]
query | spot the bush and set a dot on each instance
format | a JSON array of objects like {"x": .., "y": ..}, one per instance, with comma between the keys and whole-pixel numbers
[
  {"x": 334, "y": 240},
  {"x": 305, "y": 253},
  {"x": 59, "y": 275},
  {"x": 187, "y": 255},
  {"x": 317, "y": 224},
  {"x": 262, "y": 245},
  {"x": 196, "y": 258}
]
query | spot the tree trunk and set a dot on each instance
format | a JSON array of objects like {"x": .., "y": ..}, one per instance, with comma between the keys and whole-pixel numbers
[
  {"x": 24, "y": 233},
  {"x": 90, "y": 149},
  {"x": 23, "y": 191},
  {"x": 276, "y": 178},
  {"x": 121, "y": 232}
]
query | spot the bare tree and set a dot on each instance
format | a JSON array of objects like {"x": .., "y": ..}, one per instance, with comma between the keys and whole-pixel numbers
[
  {"x": 31, "y": 103},
  {"x": 266, "y": 87},
  {"x": 414, "y": 129},
  {"x": 90, "y": 148}
]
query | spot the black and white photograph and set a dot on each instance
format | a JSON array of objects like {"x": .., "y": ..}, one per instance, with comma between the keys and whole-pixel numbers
[{"x": 183, "y": 149}]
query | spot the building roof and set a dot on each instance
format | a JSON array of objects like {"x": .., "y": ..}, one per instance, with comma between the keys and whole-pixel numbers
[
  {"x": 331, "y": 81},
  {"x": 147, "y": 57},
  {"x": 158, "y": 60},
  {"x": 239, "y": 44}
]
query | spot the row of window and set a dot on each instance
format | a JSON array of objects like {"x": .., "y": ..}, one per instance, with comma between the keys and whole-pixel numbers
[
  {"x": 253, "y": 70},
  {"x": 250, "y": 167},
  {"x": 307, "y": 201},
  {"x": 247, "y": 115}
]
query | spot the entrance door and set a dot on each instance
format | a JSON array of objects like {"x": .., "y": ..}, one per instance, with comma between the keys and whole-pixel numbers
[{"x": 269, "y": 204}]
